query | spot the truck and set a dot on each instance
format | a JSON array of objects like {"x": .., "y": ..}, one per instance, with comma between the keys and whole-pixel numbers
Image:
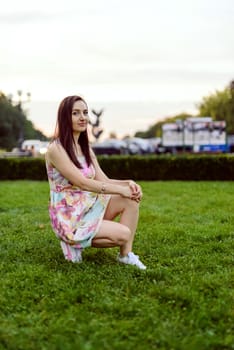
[{"x": 195, "y": 134}]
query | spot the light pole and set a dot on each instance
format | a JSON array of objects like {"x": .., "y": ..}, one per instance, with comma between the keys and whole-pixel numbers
[{"x": 19, "y": 106}]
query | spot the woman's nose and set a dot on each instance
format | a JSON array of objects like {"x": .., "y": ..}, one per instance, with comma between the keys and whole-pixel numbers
[{"x": 85, "y": 116}]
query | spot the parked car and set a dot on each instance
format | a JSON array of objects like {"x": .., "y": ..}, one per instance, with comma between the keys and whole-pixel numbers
[
  {"x": 137, "y": 145},
  {"x": 29, "y": 148},
  {"x": 133, "y": 145},
  {"x": 109, "y": 147},
  {"x": 15, "y": 152}
]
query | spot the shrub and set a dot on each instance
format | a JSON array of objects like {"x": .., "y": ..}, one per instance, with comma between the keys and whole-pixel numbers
[
  {"x": 148, "y": 168},
  {"x": 187, "y": 167},
  {"x": 22, "y": 168}
]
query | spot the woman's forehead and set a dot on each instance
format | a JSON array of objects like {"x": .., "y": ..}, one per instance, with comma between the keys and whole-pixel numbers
[{"x": 79, "y": 105}]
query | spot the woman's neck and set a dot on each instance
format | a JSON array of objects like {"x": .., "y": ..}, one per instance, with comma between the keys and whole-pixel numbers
[
  {"x": 77, "y": 149},
  {"x": 76, "y": 136}
]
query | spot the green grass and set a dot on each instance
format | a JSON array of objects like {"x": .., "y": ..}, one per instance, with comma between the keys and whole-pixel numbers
[{"x": 184, "y": 300}]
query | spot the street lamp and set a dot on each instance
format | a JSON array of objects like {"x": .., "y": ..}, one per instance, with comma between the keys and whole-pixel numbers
[{"x": 19, "y": 106}]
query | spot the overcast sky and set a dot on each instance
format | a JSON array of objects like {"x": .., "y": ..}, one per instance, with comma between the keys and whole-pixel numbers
[{"x": 138, "y": 59}]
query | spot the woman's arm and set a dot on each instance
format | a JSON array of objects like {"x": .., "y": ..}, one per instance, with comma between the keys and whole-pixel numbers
[
  {"x": 100, "y": 175},
  {"x": 57, "y": 156}
]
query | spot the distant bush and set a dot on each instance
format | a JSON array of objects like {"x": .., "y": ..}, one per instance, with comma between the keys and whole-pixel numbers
[
  {"x": 22, "y": 169},
  {"x": 148, "y": 168},
  {"x": 186, "y": 167}
]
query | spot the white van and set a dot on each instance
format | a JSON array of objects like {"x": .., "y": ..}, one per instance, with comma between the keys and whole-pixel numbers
[{"x": 36, "y": 146}]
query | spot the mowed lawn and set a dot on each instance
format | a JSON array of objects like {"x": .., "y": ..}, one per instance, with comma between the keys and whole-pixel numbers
[{"x": 184, "y": 300}]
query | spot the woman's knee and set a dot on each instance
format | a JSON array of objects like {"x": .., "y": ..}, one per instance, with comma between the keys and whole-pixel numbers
[
  {"x": 133, "y": 205},
  {"x": 124, "y": 235}
]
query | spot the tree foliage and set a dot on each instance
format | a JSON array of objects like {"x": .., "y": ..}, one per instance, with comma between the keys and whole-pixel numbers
[
  {"x": 220, "y": 106},
  {"x": 156, "y": 129},
  {"x": 14, "y": 125}
]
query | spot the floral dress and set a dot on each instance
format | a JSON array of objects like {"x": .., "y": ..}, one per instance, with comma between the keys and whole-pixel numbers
[{"x": 75, "y": 214}]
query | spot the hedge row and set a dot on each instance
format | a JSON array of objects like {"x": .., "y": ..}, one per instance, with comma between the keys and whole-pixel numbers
[{"x": 186, "y": 167}]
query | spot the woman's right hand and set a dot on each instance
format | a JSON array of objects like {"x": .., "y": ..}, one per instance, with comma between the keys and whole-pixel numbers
[{"x": 128, "y": 193}]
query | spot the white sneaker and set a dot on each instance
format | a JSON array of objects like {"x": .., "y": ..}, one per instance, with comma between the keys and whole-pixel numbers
[
  {"x": 131, "y": 259},
  {"x": 71, "y": 253}
]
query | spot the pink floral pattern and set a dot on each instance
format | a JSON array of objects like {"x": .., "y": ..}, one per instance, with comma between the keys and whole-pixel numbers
[{"x": 75, "y": 214}]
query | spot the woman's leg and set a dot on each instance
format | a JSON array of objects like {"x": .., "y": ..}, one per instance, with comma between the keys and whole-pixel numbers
[
  {"x": 129, "y": 213},
  {"x": 111, "y": 234},
  {"x": 121, "y": 234}
]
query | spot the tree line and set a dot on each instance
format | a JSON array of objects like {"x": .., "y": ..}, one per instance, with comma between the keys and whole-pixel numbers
[
  {"x": 14, "y": 125},
  {"x": 218, "y": 105}
]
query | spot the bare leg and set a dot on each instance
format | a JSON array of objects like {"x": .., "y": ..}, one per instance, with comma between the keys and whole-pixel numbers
[
  {"x": 111, "y": 234},
  {"x": 129, "y": 213},
  {"x": 121, "y": 234}
]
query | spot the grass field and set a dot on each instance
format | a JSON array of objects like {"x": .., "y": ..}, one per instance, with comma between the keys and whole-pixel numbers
[{"x": 184, "y": 300}]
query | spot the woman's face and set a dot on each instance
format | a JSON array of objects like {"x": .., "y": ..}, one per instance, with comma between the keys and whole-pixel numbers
[{"x": 80, "y": 117}]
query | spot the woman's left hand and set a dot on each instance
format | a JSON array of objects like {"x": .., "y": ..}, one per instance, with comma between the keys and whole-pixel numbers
[{"x": 136, "y": 191}]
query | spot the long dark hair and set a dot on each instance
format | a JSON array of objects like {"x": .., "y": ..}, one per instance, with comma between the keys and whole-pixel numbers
[{"x": 64, "y": 131}]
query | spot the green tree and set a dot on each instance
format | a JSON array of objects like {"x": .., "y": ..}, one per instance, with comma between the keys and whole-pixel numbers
[
  {"x": 156, "y": 129},
  {"x": 14, "y": 125},
  {"x": 220, "y": 106},
  {"x": 31, "y": 133},
  {"x": 10, "y": 119}
]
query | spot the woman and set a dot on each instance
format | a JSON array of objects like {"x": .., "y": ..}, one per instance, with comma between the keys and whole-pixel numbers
[{"x": 83, "y": 200}]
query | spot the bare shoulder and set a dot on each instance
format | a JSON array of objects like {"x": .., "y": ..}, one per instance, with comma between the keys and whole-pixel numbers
[
  {"x": 54, "y": 150},
  {"x": 54, "y": 147}
]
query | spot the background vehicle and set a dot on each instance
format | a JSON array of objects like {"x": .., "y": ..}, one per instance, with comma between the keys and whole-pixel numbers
[
  {"x": 111, "y": 146},
  {"x": 132, "y": 145},
  {"x": 38, "y": 147},
  {"x": 195, "y": 134}
]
